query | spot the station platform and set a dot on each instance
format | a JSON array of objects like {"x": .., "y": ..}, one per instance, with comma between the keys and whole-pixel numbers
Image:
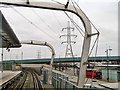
[
  {"x": 96, "y": 83},
  {"x": 7, "y": 75},
  {"x": 111, "y": 85}
]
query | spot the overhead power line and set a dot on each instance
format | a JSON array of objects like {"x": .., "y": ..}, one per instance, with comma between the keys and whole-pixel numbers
[{"x": 33, "y": 23}]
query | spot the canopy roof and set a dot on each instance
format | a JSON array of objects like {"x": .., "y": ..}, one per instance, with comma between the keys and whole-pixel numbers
[{"x": 8, "y": 38}]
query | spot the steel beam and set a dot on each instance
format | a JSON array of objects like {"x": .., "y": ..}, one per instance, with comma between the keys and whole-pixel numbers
[{"x": 52, "y": 57}]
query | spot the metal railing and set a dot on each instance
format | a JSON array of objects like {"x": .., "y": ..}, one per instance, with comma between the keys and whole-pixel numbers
[{"x": 59, "y": 81}]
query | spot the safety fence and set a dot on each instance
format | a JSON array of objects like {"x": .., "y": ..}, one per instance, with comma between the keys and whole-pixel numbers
[
  {"x": 114, "y": 75},
  {"x": 60, "y": 82}
]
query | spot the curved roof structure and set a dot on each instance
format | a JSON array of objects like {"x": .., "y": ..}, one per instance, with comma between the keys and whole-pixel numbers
[{"x": 8, "y": 38}]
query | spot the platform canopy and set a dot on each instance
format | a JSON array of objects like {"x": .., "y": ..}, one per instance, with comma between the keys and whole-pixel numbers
[{"x": 8, "y": 38}]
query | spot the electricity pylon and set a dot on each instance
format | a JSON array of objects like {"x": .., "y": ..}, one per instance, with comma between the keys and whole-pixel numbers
[
  {"x": 39, "y": 54},
  {"x": 69, "y": 51}
]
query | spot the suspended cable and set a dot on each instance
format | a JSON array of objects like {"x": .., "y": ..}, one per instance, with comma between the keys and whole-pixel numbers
[
  {"x": 95, "y": 59},
  {"x": 94, "y": 27},
  {"x": 71, "y": 18},
  {"x": 57, "y": 20},
  {"x": 93, "y": 45},
  {"x": 32, "y": 23},
  {"x": 43, "y": 20},
  {"x": 74, "y": 6},
  {"x": 57, "y": 2},
  {"x": 86, "y": 16},
  {"x": 56, "y": 41},
  {"x": 77, "y": 12},
  {"x": 75, "y": 24},
  {"x": 91, "y": 23}
]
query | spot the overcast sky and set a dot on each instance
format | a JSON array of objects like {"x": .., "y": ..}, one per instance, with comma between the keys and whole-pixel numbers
[{"x": 46, "y": 25}]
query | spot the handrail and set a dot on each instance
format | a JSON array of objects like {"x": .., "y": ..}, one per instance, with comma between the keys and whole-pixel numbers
[{"x": 69, "y": 82}]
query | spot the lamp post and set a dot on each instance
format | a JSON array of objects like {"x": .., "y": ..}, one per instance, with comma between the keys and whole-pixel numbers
[{"x": 107, "y": 54}]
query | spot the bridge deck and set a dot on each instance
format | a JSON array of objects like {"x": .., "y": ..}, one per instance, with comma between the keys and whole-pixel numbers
[{"x": 75, "y": 59}]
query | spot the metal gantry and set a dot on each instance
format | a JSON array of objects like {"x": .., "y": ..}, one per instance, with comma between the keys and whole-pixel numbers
[
  {"x": 52, "y": 57},
  {"x": 70, "y": 8}
]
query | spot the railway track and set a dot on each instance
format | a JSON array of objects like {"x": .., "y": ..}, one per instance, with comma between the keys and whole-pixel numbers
[
  {"x": 21, "y": 82},
  {"x": 37, "y": 84},
  {"x": 32, "y": 80},
  {"x": 28, "y": 80}
]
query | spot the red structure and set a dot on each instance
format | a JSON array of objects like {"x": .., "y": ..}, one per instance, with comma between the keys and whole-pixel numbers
[{"x": 93, "y": 73}]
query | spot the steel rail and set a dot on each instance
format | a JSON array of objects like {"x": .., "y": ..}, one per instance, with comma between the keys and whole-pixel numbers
[
  {"x": 11, "y": 83},
  {"x": 36, "y": 81},
  {"x": 21, "y": 84}
]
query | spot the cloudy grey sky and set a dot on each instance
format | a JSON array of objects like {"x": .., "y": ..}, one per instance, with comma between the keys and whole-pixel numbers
[{"x": 46, "y": 25}]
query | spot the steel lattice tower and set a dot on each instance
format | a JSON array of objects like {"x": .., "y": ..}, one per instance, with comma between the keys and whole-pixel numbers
[{"x": 69, "y": 51}]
